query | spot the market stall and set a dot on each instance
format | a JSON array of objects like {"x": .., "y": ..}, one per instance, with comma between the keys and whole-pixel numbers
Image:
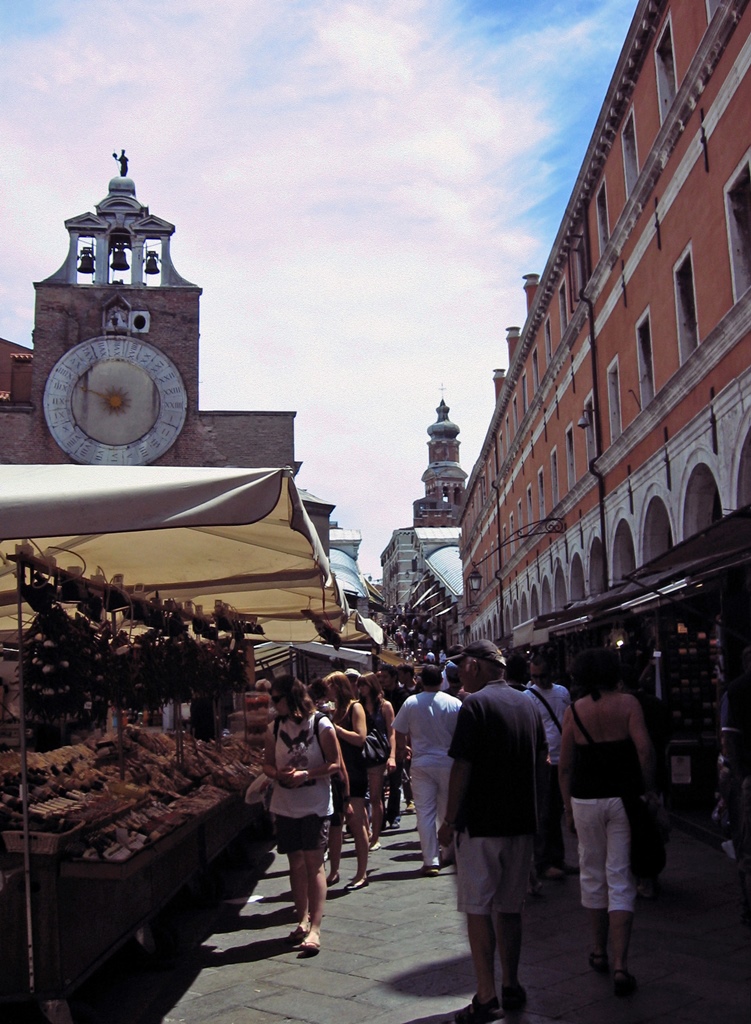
[{"x": 232, "y": 550}]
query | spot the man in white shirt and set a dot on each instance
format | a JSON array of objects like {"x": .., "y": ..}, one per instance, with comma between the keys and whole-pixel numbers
[
  {"x": 551, "y": 700},
  {"x": 426, "y": 723}
]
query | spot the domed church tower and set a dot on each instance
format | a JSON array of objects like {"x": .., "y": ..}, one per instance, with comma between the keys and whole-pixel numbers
[{"x": 444, "y": 478}]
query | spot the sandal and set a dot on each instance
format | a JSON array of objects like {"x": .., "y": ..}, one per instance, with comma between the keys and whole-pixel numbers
[
  {"x": 599, "y": 962},
  {"x": 296, "y": 937},
  {"x": 479, "y": 1013},
  {"x": 623, "y": 983},
  {"x": 309, "y": 948},
  {"x": 513, "y": 997}
]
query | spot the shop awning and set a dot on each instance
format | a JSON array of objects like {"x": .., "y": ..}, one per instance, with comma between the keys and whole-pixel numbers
[
  {"x": 527, "y": 635},
  {"x": 360, "y": 629},
  {"x": 241, "y": 536}
]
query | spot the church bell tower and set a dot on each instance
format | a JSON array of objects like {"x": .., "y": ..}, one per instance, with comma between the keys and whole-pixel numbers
[{"x": 444, "y": 478}]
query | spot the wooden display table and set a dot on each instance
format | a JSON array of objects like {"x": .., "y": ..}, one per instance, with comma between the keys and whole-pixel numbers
[{"x": 83, "y": 911}]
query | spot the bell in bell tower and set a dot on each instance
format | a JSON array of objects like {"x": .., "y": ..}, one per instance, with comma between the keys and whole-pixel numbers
[{"x": 444, "y": 478}]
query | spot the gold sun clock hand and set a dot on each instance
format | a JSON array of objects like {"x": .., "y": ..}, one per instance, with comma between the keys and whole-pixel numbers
[{"x": 115, "y": 399}]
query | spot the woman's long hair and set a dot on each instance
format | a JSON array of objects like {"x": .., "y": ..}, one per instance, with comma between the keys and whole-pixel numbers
[
  {"x": 299, "y": 704},
  {"x": 375, "y": 694},
  {"x": 340, "y": 689}
]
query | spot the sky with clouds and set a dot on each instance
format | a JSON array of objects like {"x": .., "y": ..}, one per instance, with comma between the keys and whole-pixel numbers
[{"x": 358, "y": 186}]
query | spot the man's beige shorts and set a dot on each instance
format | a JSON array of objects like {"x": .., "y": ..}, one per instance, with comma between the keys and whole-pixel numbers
[{"x": 492, "y": 873}]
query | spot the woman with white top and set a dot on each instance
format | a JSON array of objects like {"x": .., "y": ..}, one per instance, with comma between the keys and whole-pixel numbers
[{"x": 301, "y": 755}]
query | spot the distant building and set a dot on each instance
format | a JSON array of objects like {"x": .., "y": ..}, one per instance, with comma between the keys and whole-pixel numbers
[
  {"x": 344, "y": 549},
  {"x": 421, "y": 565}
]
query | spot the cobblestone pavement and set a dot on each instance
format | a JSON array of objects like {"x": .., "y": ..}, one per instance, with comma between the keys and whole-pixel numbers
[{"x": 396, "y": 952}]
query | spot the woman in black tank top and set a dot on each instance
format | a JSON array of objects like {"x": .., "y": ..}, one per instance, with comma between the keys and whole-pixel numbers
[
  {"x": 606, "y": 754},
  {"x": 349, "y": 722}
]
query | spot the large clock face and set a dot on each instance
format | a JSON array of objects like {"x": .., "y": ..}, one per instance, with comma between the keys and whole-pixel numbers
[{"x": 115, "y": 400}]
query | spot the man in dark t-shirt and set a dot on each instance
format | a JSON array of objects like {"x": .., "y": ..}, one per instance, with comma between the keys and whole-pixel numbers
[{"x": 500, "y": 751}]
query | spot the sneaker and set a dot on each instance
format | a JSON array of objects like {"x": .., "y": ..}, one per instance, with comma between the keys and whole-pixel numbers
[
  {"x": 374, "y": 846},
  {"x": 410, "y": 808},
  {"x": 431, "y": 870}
]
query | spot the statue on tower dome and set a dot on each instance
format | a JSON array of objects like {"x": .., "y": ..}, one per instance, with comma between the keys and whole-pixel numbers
[{"x": 123, "y": 161}]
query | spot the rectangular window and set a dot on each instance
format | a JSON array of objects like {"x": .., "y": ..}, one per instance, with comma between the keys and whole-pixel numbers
[
  {"x": 614, "y": 400},
  {"x": 508, "y": 436},
  {"x": 603, "y": 224},
  {"x": 630, "y": 157},
  {"x": 645, "y": 362},
  {"x": 665, "y": 63},
  {"x": 530, "y": 509},
  {"x": 525, "y": 404},
  {"x": 563, "y": 306},
  {"x": 579, "y": 266},
  {"x": 548, "y": 343},
  {"x": 541, "y": 492},
  {"x": 685, "y": 307},
  {"x": 554, "y": 495},
  {"x": 570, "y": 463},
  {"x": 535, "y": 371},
  {"x": 511, "y": 531},
  {"x": 515, "y": 411},
  {"x": 589, "y": 428},
  {"x": 500, "y": 447},
  {"x": 519, "y": 514},
  {"x": 738, "y": 211}
]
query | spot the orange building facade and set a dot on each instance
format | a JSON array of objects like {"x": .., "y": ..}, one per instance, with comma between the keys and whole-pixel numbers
[{"x": 622, "y": 426}]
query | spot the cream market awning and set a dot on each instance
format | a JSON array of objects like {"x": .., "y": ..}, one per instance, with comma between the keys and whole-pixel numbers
[{"x": 241, "y": 536}]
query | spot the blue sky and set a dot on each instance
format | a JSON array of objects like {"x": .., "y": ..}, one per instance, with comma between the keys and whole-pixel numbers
[{"x": 358, "y": 186}]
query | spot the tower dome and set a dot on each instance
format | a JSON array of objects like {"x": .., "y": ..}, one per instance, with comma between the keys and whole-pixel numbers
[
  {"x": 120, "y": 186},
  {"x": 443, "y": 427}
]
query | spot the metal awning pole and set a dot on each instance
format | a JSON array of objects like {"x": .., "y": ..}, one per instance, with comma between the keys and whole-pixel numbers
[{"x": 24, "y": 783}]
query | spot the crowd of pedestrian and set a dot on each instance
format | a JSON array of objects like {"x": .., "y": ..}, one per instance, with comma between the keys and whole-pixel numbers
[{"x": 496, "y": 759}]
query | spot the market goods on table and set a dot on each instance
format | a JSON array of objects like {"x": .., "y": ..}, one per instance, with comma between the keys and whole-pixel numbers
[{"x": 79, "y": 806}]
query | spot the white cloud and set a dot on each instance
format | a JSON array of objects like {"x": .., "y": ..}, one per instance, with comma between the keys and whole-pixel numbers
[{"x": 356, "y": 187}]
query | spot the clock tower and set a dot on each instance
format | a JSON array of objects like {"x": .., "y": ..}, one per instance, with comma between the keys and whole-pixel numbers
[{"x": 115, "y": 361}]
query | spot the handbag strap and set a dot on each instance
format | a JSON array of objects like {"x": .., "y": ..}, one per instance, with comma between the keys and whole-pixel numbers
[
  {"x": 548, "y": 707},
  {"x": 579, "y": 722}
]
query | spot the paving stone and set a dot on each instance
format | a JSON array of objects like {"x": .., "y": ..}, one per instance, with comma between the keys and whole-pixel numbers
[
  {"x": 397, "y": 953},
  {"x": 318, "y": 1009}
]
